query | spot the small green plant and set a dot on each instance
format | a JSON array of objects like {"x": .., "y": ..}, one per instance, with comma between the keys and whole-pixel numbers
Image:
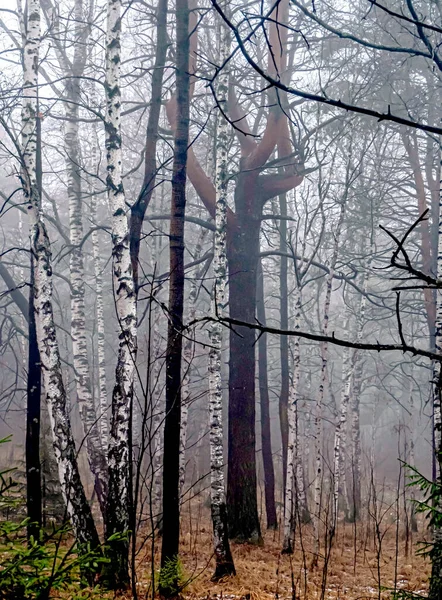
[
  {"x": 171, "y": 579},
  {"x": 404, "y": 595},
  {"x": 30, "y": 571},
  {"x": 430, "y": 505}
]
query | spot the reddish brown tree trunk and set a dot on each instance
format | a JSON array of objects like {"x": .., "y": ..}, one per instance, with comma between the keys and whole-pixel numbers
[{"x": 243, "y": 254}]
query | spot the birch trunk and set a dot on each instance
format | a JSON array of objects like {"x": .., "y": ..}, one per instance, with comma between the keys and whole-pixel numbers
[
  {"x": 189, "y": 348},
  {"x": 223, "y": 556},
  {"x": 435, "y": 590},
  {"x": 73, "y": 70},
  {"x": 90, "y": 422},
  {"x": 77, "y": 506},
  {"x": 156, "y": 435},
  {"x": 103, "y": 404},
  {"x": 411, "y": 457},
  {"x": 341, "y": 430},
  {"x": 283, "y": 341},
  {"x": 353, "y": 506},
  {"x": 318, "y": 424},
  {"x": 33, "y": 420},
  {"x": 117, "y": 509},
  {"x": 290, "y": 504}
]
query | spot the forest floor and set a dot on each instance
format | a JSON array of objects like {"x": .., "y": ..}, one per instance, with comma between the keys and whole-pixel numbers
[
  {"x": 364, "y": 562},
  {"x": 361, "y": 565}
]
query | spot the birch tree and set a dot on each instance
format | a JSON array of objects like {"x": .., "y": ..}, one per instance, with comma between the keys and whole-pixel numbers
[
  {"x": 189, "y": 348},
  {"x": 435, "y": 590},
  {"x": 223, "y": 556},
  {"x": 117, "y": 508},
  {"x": 291, "y": 488},
  {"x": 74, "y": 69},
  {"x": 77, "y": 505}
]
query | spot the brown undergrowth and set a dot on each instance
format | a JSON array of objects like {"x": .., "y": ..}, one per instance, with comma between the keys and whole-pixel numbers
[{"x": 357, "y": 568}]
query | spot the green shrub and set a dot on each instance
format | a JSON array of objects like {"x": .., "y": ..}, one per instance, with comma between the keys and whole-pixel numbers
[{"x": 31, "y": 569}]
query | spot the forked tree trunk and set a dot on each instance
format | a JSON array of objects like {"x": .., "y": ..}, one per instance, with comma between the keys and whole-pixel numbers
[
  {"x": 223, "y": 556},
  {"x": 139, "y": 208},
  {"x": 266, "y": 437},
  {"x": 252, "y": 191},
  {"x": 118, "y": 500},
  {"x": 354, "y": 504},
  {"x": 77, "y": 506},
  {"x": 171, "y": 502}
]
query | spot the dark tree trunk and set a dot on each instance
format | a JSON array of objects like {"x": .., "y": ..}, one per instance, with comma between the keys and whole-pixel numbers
[
  {"x": 243, "y": 256},
  {"x": 283, "y": 340},
  {"x": 33, "y": 466},
  {"x": 138, "y": 212},
  {"x": 266, "y": 439},
  {"x": 171, "y": 500}
]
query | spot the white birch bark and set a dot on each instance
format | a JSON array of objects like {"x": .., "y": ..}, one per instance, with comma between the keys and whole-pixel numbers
[
  {"x": 341, "y": 427},
  {"x": 411, "y": 459},
  {"x": 188, "y": 351},
  {"x": 157, "y": 431},
  {"x": 117, "y": 513},
  {"x": 355, "y": 402},
  {"x": 223, "y": 557},
  {"x": 96, "y": 457},
  {"x": 103, "y": 402},
  {"x": 292, "y": 476},
  {"x": 318, "y": 424},
  {"x": 77, "y": 506},
  {"x": 436, "y": 573},
  {"x": 83, "y": 382}
]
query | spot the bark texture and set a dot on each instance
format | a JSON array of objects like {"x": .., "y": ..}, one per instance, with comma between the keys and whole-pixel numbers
[
  {"x": 189, "y": 349},
  {"x": 318, "y": 433},
  {"x": 290, "y": 504},
  {"x": 223, "y": 556},
  {"x": 33, "y": 420},
  {"x": 77, "y": 506},
  {"x": 118, "y": 499}
]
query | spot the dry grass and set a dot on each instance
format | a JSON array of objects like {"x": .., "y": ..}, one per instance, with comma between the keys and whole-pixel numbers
[{"x": 263, "y": 574}]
